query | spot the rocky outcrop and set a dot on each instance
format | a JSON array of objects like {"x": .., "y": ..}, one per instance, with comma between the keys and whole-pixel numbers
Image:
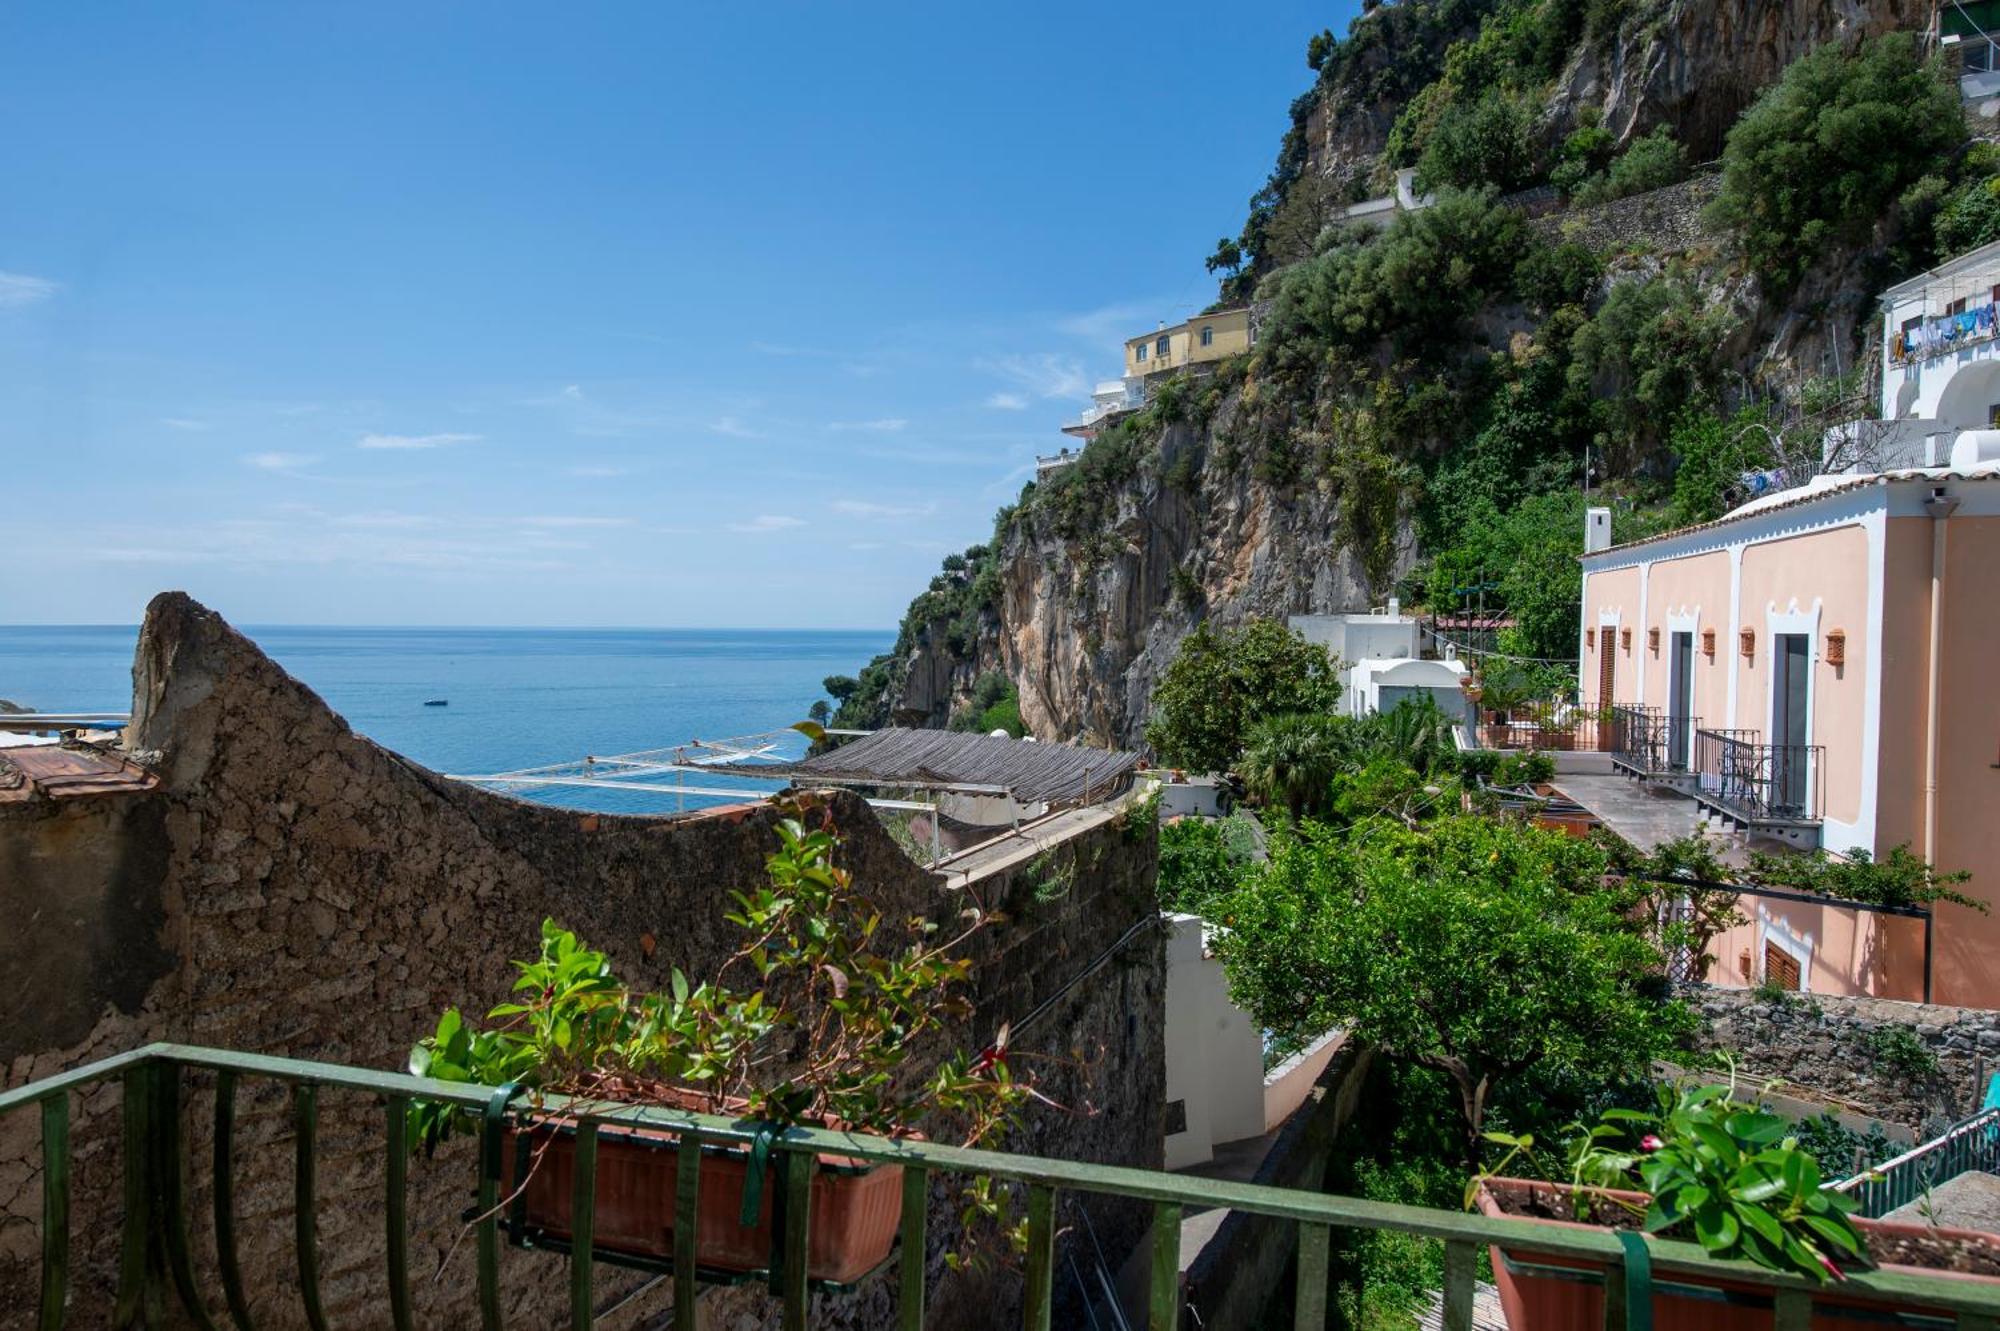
[
  {"x": 1697, "y": 64},
  {"x": 1086, "y": 627}
]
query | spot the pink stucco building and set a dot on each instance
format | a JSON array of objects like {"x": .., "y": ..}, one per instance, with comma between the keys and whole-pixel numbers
[{"x": 1821, "y": 667}]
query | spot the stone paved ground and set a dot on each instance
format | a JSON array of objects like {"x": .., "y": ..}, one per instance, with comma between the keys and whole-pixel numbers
[
  {"x": 1970, "y": 1201},
  {"x": 1486, "y": 1314}
]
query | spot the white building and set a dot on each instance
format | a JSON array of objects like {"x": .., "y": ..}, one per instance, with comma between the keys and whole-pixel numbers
[
  {"x": 1940, "y": 368},
  {"x": 1381, "y": 661}
]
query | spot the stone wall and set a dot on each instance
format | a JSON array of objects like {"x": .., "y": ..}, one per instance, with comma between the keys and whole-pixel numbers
[
  {"x": 1829, "y": 1045},
  {"x": 1661, "y": 221},
  {"x": 293, "y": 888}
]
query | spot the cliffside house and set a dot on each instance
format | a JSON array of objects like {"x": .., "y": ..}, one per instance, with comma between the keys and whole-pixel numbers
[
  {"x": 1198, "y": 343},
  {"x": 1815, "y": 666}
]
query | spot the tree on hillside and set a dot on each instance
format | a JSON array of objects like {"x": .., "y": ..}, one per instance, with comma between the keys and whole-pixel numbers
[
  {"x": 1225, "y": 681},
  {"x": 1483, "y": 948},
  {"x": 1824, "y": 154}
]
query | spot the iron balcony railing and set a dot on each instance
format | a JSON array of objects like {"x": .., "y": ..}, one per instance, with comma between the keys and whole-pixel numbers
[
  {"x": 156, "y": 1249},
  {"x": 1969, "y": 1146},
  {"x": 1756, "y": 782},
  {"x": 1652, "y": 742}
]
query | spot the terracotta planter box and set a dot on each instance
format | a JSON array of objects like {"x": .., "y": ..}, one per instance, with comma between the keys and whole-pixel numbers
[
  {"x": 855, "y": 1208},
  {"x": 1546, "y": 1292}
]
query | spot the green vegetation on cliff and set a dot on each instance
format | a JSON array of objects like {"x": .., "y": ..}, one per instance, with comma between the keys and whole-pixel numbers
[{"x": 1437, "y": 388}]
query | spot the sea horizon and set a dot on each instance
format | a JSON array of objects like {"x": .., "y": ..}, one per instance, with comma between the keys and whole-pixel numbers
[{"x": 508, "y": 697}]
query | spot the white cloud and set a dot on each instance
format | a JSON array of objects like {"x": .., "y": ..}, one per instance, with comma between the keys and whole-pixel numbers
[
  {"x": 407, "y": 441},
  {"x": 861, "y": 508},
  {"x": 1044, "y": 374},
  {"x": 1007, "y": 402},
  {"x": 573, "y": 521},
  {"x": 734, "y": 428},
  {"x": 887, "y": 425},
  {"x": 1110, "y": 323},
  {"x": 19, "y": 289},
  {"x": 183, "y": 423},
  {"x": 767, "y": 522},
  {"x": 280, "y": 461}
]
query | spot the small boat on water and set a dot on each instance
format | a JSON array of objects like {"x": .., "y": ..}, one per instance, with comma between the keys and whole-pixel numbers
[{"x": 438, "y": 702}]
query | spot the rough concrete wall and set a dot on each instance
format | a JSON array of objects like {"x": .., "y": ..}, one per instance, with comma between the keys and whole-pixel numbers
[
  {"x": 309, "y": 893},
  {"x": 1234, "y": 1279},
  {"x": 1824, "y": 1044}
]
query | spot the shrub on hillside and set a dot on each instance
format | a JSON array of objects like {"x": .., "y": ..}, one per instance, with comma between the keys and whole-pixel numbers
[
  {"x": 1824, "y": 153},
  {"x": 1651, "y": 162},
  {"x": 1414, "y": 283}
]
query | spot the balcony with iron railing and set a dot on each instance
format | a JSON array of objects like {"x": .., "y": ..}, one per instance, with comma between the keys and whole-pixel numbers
[
  {"x": 158, "y": 1253},
  {"x": 1772, "y": 788},
  {"x": 1652, "y": 745}
]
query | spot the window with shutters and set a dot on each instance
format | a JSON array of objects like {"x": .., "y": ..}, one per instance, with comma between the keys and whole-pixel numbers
[{"x": 1781, "y": 968}]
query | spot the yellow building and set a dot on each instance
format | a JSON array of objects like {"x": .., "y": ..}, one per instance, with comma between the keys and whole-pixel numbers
[{"x": 1202, "y": 340}]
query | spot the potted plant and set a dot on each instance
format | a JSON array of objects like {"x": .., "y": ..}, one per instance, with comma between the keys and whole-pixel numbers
[
  {"x": 812, "y": 1020},
  {"x": 1725, "y": 1173}
]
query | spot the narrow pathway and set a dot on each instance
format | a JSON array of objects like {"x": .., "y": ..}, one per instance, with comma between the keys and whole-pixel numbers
[{"x": 1486, "y": 1313}]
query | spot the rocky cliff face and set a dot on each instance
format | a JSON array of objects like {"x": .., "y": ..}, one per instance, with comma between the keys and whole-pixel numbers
[
  {"x": 1087, "y": 614},
  {"x": 1697, "y": 64}
]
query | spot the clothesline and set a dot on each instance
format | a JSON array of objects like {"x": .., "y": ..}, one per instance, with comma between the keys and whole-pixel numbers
[{"x": 1934, "y": 337}]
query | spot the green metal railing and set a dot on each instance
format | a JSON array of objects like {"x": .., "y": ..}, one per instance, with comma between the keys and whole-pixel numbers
[
  {"x": 1968, "y": 1146},
  {"x": 155, "y": 1250}
]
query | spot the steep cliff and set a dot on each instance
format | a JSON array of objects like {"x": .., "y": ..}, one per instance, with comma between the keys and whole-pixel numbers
[{"x": 1320, "y": 473}]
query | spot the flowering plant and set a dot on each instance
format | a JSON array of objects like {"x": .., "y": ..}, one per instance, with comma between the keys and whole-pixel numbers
[{"x": 1723, "y": 1170}]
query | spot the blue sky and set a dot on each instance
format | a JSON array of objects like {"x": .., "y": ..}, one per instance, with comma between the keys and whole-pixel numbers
[{"x": 608, "y": 314}]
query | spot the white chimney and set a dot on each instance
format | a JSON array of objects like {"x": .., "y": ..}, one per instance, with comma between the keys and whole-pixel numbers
[
  {"x": 1596, "y": 530},
  {"x": 1395, "y": 608}
]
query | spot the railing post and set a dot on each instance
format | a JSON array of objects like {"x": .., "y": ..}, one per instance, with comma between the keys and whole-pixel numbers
[
  {"x": 799, "y": 1168},
  {"x": 911, "y": 1267},
  {"x": 225, "y": 1201},
  {"x": 55, "y": 1211},
  {"x": 141, "y": 1300},
  {"x": 687, "y": 1210},
  {"x": 1309, "y": 1296},
  {"x": 583, "y": 1225},
  {"x": 1461, "y": 1260},
  {"x": 1164, "y": 1305},
  {"x": 1038, "y": 1296},
  {"x": 305, "y": 1192},
  {"x": 395, "y": 1210},
  {"x": 169, "y": 1191}
]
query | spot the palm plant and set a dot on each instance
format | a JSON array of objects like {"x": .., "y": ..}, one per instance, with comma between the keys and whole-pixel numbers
[{"x": 1293, "y": 758}]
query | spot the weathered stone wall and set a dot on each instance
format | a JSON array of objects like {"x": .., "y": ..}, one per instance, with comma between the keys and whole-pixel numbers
[
  {"x": 1661, "y": 221},
  {"x": 293, "y": 888},
  {"x": 1828, "y": 1045}
]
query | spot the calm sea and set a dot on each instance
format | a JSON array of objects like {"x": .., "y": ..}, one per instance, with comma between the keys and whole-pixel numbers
[{"x": 517, "y": 697}]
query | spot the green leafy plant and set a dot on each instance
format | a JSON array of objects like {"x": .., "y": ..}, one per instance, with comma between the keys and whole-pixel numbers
[
  {"x": 1902, "y": 1051},
  {"x": 1899, "y": 878},
  {"x": 811, "y": 1020},
  {"x": 1726, "y": 1172},
  {"x": 1224, "y": 681}
]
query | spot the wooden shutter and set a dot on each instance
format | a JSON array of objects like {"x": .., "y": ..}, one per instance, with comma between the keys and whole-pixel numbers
[{"x": 1780, "y": 968}]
